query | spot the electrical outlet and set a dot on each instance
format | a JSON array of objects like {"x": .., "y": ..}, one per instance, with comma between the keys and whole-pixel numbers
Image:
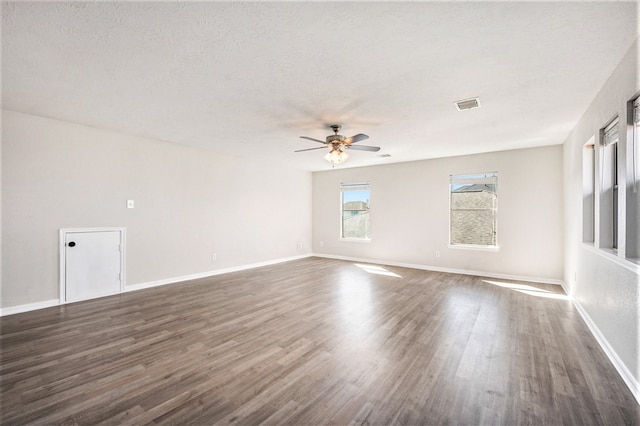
[
  {"x": 214, "y": 257},
  {"x": 130, "y": 204},
  {"x": 321, "y": 243},
  {"x": 437, "y": 253},
  {"x": 299, "y": 245}
]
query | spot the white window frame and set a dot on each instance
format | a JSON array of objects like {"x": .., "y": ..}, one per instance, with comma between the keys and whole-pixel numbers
[
  {"x": 348, "y": 187},
  {"x": 589, "y": 192},
  {"x": 475, "y": 178},
  {"x": 609, "y": 224},
  {"x": 635, "y": 154}
]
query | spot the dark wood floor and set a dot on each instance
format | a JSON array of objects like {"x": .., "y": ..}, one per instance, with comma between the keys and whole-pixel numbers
[{"x": 314, "y": 341}]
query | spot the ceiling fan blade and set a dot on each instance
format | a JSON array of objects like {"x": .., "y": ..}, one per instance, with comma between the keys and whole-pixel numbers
[
  {"x": 357, "y": 138},
  {"x": 364, "y": 148},
  {"x": 310, "y": 149},
  {"x": 312, "y": 139}
]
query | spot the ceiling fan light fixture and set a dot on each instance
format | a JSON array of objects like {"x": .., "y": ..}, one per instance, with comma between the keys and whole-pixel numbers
[
  {"x": 338, "y": 143},
  {"x": 336, "y": 156}
]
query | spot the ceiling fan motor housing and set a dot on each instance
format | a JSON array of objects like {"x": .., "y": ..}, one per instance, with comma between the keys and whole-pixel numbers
[{"x": 335, "y": 138}]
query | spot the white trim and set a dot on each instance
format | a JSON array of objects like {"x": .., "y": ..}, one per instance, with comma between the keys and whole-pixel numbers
[
  {"x": 474, "y": 247},
  {"x": 354, "y": 187},
  {"x": 61, "y": 248},
  {"x": 566, "y": 289},
  {"x": 57, "y": 302},
  {"x": 356, "y": 240},
  {"x": 610, "y": 255},
  {"x": 28, "y": 307},
  {"x": 173, "y": 280},
  {"x": 623, "y": 371},
  {"x": 448, "y": 270}
]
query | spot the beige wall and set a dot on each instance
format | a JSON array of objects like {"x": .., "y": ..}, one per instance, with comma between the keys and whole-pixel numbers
[
  {"x": 189, "y": 203},
  {"x": 410, "y": 213},
  {"x": 607, "y": 288}
]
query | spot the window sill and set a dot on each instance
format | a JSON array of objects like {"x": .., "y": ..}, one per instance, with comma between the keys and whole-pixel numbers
[
  {"x": 634, "y": 260},
  {"x": 610, "y": 254},
  {"x": 356, "y": 240},
  {"x": 472, "y": 247}
]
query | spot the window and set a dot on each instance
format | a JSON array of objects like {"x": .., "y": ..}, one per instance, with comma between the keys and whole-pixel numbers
[
  {"x": 609, "y": 186},
  {"x": 355, "y": 211},
  {"x": 474, "y": 201},
  {"x": 635, "y": 169},
  {"x": 617, "y": 182},
  {"x": 633, "y": 191},
  {"x": 588, "y": 191}
]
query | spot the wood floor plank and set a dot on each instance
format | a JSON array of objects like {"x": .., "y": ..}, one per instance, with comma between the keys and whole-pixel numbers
[{"x": 312, "y": 341}]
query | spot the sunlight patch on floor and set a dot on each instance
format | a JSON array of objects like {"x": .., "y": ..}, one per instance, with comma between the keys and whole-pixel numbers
[
  {"x": 528, "y": 289},
  {"x": 378, "y": 270}
]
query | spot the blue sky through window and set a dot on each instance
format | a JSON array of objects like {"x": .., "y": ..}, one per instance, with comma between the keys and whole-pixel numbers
[{"x": 362, "y": 195}]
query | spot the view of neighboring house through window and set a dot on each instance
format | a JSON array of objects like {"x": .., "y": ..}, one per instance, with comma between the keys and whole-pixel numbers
[
  {"x": 355, "y": 210},
  {"x": 609, "y": 186},
  {"x": 473, "y": 212}
]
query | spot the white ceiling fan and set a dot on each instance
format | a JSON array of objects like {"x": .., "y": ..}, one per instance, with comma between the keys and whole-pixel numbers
[{"x": 338, "y": 144}]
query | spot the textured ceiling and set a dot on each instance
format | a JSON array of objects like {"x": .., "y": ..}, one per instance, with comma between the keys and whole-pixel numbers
[{"x": 248, "y": 79}]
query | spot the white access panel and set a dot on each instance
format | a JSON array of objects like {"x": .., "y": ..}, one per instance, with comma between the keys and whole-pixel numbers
[{"x": 92, "y": 263}]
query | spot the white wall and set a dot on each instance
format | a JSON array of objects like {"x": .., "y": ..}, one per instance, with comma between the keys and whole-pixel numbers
[
  {"x": 189, "y": 203},
  {"x": 604, "y": 286},
  {"x": 410, "y": 213}
]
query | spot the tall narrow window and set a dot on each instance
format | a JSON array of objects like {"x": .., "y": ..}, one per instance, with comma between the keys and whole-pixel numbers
[
  {"x": 633, "y": 191},
  {"x": 588, "y": 191},
  {"x": 355, "y": 211},
  {"x": 609, "y": 186},
  {"x": 473, "y": 215},
  {"x": 635, "y": 168}
]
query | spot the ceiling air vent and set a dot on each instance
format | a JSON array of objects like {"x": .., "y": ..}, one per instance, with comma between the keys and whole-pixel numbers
[{"x": 468, "y": 104}]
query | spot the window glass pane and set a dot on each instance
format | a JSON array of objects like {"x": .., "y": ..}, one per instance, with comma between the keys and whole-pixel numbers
[
  {"x": 355, "y": 211},
  {"x": 588, "y": 191},
  {"x": 608, "y": 207},
  {"x": 473, "y": 209},
  {"x": 635, "y": 167}
]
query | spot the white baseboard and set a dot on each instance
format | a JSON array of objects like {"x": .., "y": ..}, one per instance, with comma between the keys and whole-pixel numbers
[
  {"x": 55, "y": 302},
  {"x": 628, "y": 378},
  {"x": 173, "y": 280},
  {"x": 28, "y": 307},
  {"x": 448, "y": 270}
]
